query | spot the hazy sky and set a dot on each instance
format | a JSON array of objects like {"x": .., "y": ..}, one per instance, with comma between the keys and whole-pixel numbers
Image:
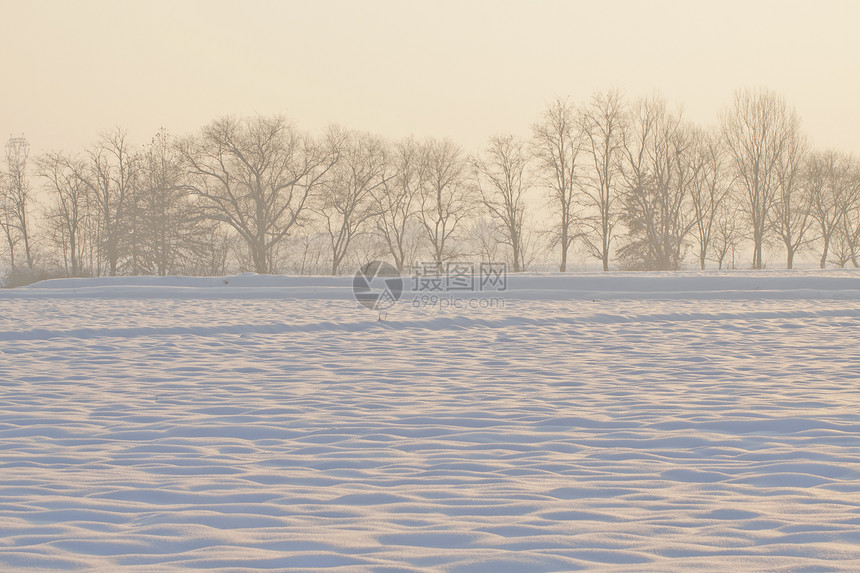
[{"x": 460, "y": 69}]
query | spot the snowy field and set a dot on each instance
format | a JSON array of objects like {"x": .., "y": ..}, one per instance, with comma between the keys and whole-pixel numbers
[{"x": 621, "y": 422}]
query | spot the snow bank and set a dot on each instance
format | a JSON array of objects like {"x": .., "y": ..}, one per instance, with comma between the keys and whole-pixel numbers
[{"x": 549, "y": 286}]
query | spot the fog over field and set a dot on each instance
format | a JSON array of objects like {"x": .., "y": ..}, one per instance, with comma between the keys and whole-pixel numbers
[{"x": 450, "y": 286}]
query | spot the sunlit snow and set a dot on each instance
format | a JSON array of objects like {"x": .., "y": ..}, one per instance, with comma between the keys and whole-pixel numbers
[{"x": 625, "y": 422}]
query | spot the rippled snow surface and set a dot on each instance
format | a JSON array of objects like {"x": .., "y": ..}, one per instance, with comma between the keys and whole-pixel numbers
[{"x": 652, "y": 433}]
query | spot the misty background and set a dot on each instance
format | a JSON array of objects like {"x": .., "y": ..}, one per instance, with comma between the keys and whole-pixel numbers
[{"x": 83, "y": 78}]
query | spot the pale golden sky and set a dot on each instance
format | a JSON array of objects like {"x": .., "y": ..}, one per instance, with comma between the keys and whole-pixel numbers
[{"x": 461, "y": 69}]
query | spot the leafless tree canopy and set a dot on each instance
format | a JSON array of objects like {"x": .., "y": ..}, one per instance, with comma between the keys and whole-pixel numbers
[
  {"x": 69, "y": 214},
  {"x": 256, "y": 175},
  {"x": 709, "y": 190},
  {"x": 397, "y": 200},
  {"x": 602, "y": 122},
  {"x": 557, "y": 146},
  {"x": 15, "y": 202},
  {"x": 760, "y": 132},
  {"x": 658, "y": 171},
  {"x": 347, "y": 201},
  {"x": 612, "y": 181},
  {"x": 445, "y": 199},
  {"x": 503, "y": 179}
]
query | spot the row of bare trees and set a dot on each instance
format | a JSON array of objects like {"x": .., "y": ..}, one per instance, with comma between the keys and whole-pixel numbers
[
  {"x": 119, "y": 210},
  {"x": 641, "y": 176},
  {"x": 15, "y": 202},
  {"x": 269, "y": 183},
  {"x": 628, "y": 183}
]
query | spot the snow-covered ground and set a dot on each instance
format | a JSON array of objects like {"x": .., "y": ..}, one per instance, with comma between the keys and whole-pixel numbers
[{"x": 630, "y": 422}]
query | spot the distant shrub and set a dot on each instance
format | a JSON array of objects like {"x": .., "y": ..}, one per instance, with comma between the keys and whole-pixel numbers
[{"x": 24, "y": 277}]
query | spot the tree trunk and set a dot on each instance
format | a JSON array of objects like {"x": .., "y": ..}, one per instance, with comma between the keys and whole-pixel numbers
[
  {"x": 27, "y": 252},
  {"x": 11, "y": 242},
  {"x": 563, "y": 266},
  {"x": 516, "y": 249},
  {"x": 824, "y": 253},
  {"x": 259, "y": 256},
  {"x": 113, "y": 262},
  {"x": 72, "y": 256},
  {"x": 757, "y": 262}
]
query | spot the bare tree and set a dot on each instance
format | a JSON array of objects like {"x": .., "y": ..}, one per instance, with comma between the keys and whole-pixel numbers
[
  {"x": 69, "y": 214},
  {"x": 213, "y": 256},
  {"x": 709, "y": 188},
  {"x": 557, "y": 143},
  {"x": 848, "y": 231},
  {"x": 503, "y": 179},
  {"x": 308, "y": 252},
  {"x": 658, "y": 172},
  {"x": 397, "y": 201},
  {"x": 16, "y": 200},
  {"x": 256, "y": 176},
  {"x": 790, "y": 216},
  {"x": 757, "y": 130},
  {"x": 833, "y": 186},
  {"x": 347, "y": 200},
  {"x": 171, "y": 232},
  {"x": 823, "y": 197},
  {"x": 534, "y": 246},
  {"x": 112, "y": 172},
  {"x": 828, "y": 176},
  {"x": 485, "y": 237},
  {"x": 726, "y": 234},
  {"x": 445, "y": 198},
  {"x": 843, "y": 248},
  {"x": 849, "y": 227},
  {"x": 602, "y": 122},
  {"x": 7, "y": 220}
]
